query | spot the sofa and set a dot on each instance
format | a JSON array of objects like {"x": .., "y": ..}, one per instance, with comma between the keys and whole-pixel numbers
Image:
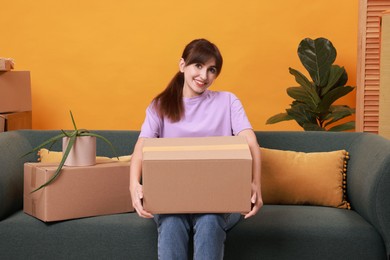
[{"x": 276, "y": 232}]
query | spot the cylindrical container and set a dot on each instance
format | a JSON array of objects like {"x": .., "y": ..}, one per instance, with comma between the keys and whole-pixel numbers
[{"x": 83, "y": 152}]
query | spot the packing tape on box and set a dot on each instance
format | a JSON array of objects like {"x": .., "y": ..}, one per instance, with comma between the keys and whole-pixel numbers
[
  {"x": 33, "y": 207},
  {"x": 33, "y": 181},
  {"x": 33, "y": 184},
  {"x": 195, "y": 148}
]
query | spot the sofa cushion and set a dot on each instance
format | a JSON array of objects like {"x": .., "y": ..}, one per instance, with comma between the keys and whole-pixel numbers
[
  {"x": 119, "y": 236},
  {"x": 317, "y": 178},
  {"x": 304, "y": 232}
]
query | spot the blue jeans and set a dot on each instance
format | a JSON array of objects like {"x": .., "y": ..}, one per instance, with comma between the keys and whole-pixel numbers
[{"x": 208, "y": 230}]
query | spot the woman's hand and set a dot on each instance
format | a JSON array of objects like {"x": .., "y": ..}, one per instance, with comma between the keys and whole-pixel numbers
[
  {"x": 136, "y": 197},
  {"x": 256, "y": 201},
  {"x": 136, "y": 190}
]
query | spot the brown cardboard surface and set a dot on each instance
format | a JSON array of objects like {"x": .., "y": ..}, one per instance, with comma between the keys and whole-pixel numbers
[
  {"x": 14, "y": 121},
  {"x": 197, "y": 175},
  {"x": 15, "y": 91},
  {"x": 6, "y": 64},
  {"x": 2, "y": 124},
  {"x": 78, "y": 192}
]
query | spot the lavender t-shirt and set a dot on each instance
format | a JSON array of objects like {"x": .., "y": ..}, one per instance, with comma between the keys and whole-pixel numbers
[{"x": 213, "y": 113}]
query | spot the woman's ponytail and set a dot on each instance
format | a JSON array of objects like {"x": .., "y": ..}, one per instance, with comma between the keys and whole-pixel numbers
[{"x": 169, "y": 103}]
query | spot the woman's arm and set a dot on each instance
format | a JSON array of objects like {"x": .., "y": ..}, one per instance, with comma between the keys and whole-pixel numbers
[
  {"x": 256, "y": 199},
  {"x": 136, "y": 190}
]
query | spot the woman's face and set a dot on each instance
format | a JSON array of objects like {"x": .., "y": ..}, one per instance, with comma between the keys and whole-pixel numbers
[{"x": 197, "y": 77}]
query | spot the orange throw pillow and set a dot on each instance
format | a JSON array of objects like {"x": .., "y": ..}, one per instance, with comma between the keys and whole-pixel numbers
[{"x": 317, "y": 178}]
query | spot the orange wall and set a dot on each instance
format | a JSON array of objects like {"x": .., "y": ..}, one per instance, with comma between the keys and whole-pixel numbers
[{"x": 106, "y": 60}]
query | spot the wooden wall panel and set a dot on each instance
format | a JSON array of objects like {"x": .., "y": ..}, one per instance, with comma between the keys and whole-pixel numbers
[
  {"x": 384, "y": 85},
  {"x": 367, "y": 103}
]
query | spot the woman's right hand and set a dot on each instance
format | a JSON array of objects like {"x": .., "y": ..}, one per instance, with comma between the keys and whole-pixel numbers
[
  {"x": 136, "y": 190},
  {"x": 136, "y": 196}
]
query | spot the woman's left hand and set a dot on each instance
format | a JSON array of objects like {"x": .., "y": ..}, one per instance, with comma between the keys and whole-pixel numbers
[{"x": 256, "y": 201}]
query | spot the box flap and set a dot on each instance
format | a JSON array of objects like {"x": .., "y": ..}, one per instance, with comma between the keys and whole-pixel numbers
[{"x": 205, "y": 148}]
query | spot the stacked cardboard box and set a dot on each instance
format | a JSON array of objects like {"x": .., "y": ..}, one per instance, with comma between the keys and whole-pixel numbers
[
  {"x": 2, "y": 124},
  {"x": 16, "y": 120},
  {"x": 15, "y": 100},
  {"x": 6, "y": 64},
  {"x": 77, "y": 192}
]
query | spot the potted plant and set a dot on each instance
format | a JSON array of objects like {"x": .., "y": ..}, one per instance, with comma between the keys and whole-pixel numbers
[
  {"x": 313, "y": 107},
  {"x": 69, "y": 149}
]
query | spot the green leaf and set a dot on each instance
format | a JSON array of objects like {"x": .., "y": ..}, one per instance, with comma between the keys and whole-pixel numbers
[
  {"x": 343, "y": 127},
  {"x": 342, "y": 80},
  {"x": 300, "y": 78},
  {"x": 332, "y": 96},
  {"x": 336, "y": 73},
  {"x": 317, "y": 56},
  {"x": 306, "y": 84},
  {"x": 72, "y": 140},
  {"x": 73, "y": 121},
  {"x": 302, "y": 114},
  {"x": 337, "y": 113},
  {"x": 67, "y": 134},
  {"x": 278, "y": 118},
  {"x": 299, "y": 94}
]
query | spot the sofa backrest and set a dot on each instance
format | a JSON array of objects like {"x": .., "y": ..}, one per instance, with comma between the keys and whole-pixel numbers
[{"x": 310, "y": 141}]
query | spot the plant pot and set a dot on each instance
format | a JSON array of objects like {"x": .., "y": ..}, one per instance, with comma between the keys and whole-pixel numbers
[{"x": 83, "y": 152}]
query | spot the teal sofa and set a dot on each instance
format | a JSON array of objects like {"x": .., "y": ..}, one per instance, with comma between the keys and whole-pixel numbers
[{"x": 276, "y": 232}]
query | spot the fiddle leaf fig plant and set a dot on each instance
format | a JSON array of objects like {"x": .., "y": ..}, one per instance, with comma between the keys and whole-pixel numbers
[
  {"x": 312, "y": 107},
  {"x": 72, "y": 135}
]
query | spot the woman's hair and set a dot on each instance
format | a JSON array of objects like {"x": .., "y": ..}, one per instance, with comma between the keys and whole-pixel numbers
[{"x": 169, "y": 103}]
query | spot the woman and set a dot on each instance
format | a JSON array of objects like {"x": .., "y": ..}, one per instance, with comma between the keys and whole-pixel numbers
[{"x": 187, "y": 108}]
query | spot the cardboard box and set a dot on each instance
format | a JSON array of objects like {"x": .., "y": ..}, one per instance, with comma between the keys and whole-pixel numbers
[
  {"x": 14, "y": 121},
  {"x": 15, "y": 91},
  {"x": 6, "y": 64},
  {"x": 78, "y": 192},
  {"x": 2, "y": 124},
  {"x": 197, "y": 175}
]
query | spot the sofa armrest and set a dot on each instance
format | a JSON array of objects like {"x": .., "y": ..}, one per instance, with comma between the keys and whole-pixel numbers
[
  {"x": 12, "y": 147},
  {"x": 368, "y": 181}
]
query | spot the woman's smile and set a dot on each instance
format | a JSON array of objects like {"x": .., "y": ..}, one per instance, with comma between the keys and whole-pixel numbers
[{"x": 200, "y": 83}]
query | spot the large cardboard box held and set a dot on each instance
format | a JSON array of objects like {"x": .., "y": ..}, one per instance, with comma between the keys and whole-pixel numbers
[
  {"x": 78, "y": 192},
  {"x": 14, "y": 121},
  {"x": 197, "y": 175},
  {"x": 15, "y": 91}
]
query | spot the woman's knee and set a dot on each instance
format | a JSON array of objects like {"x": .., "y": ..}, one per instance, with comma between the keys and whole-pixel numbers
[
  {"x": 173, "y": 222},
  {"x": 209, "y": 222}
]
